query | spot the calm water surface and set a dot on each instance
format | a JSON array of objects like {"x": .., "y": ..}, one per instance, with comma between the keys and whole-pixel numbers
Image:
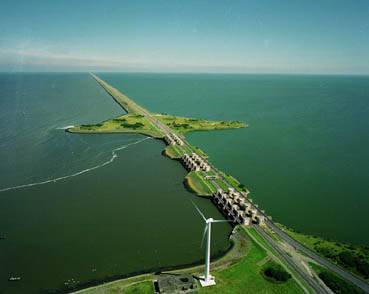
[
  {"x": 305, "y": 155},
  {"x": 305, "y": 158},
  {"x": 98, "y": 215}
]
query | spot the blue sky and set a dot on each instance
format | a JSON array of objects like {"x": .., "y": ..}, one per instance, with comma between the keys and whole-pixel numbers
[{"x": 186, "y": 36}]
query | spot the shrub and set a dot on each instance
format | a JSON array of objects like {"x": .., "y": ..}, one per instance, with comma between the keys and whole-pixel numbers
[
  {"x": 91, "y": 125},
  {"x": 326, "y": 252},
  {"x": 337, "y": 285},
  {"x": 363, "y": 268},
  {"x": 277, "y": 273},
  {"x": 132, "y": 126},
  {"x": 181, "y": 125},
  {"x": 347, "y": 258}
]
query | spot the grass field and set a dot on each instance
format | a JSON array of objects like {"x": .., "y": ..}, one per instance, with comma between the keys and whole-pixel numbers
[
  {"x": 141, "y": 288},
  {"x": 186, "y": 124},
  {"x": 177, "y": 151},
  {"x": 354, "y": 258},
  {"x": 234, "y": 182},
  {"x": 247, "y": 276},
  {"x": 222, "y": 185},
  {"x": 129, "y": 123},
  {"x": 198, "y": 184}
]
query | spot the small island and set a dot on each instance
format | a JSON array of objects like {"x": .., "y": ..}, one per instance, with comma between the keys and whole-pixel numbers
[{"x": 138, "y": 123}]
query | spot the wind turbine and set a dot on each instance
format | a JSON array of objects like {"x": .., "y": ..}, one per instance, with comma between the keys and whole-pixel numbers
[{"x": 207, "y": 279}]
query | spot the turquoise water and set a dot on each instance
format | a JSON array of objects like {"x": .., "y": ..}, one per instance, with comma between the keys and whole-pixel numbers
[{"x": 305, "y": 158}]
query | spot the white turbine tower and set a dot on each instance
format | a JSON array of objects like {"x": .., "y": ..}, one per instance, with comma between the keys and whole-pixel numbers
[{"x": 207, "y": 279}]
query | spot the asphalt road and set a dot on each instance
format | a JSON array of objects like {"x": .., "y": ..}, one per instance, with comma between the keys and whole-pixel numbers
[
  {"x": 288, "y": 260},
  {"x": 331, "y": 266}
]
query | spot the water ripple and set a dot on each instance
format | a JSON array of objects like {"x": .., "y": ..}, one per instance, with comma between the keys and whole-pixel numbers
[{"x": 114, "y": 155}]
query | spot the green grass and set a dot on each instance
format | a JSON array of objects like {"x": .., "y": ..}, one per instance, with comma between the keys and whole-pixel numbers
[
  {"x": 185, "y": 124},
  {"x": 275, "y": 273},
  {"x": 129, "y": 123},
  {"x": 141, "y": 288},
  {"x": 146, "y": 287},
  {"x": 195, "y": 182},
  {"x": 221, "y": 184},
  {"x": 174, "y": 151},
  {"x": 354, "y": 258},
  {"x": 234, "y": 182},
  {"x": 254, "y": 234},
  {"x": 198, "y": 151},
  {"x": 246, "y": 276}
]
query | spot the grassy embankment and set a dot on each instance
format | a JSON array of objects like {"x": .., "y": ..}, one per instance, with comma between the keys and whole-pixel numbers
[
  {"x": 334, "y": 282},
  {"x": 129, "y": 123},
  {"x": 196, "y": 182},
  {"x": 176, "y": 151},
  {"x": 248, "y": 275},
  {"x": 134, "y": 122},
  {"x": 241, "y": 270},
  {"x": 184, "y": 125},
  {"x": 354, "y": 258},
  {"x": 141, "y": 288},
  {"x": 136, "y": 284}
]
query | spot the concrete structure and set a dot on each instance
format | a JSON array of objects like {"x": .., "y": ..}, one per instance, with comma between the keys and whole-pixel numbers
[
  {"x": 173, "y": 139},
  {"x": 175, "y": 283},
  {"x": 236, "y": 207},
  {"x": 169, "y": 140},
  {"x": 195, "y": 162}
]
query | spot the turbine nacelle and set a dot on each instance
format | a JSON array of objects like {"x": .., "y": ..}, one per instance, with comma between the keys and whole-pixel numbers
[{"x": 209, "y": 220}]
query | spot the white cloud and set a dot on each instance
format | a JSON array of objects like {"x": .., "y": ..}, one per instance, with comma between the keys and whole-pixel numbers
[{"x": 31, "y": 56}]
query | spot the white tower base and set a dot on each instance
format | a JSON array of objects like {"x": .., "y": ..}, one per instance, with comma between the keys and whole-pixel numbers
[{"x": 209, "y": 282}]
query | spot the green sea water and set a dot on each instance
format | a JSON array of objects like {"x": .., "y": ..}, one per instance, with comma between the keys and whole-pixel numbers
[
  {"x": 76, "y": 208},
  {"x": 103, "y": 205},
  {"x": 305, "y": 154}
]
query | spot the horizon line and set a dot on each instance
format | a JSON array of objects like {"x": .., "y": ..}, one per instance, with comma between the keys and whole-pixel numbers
[{"x": 191, "y": 73}]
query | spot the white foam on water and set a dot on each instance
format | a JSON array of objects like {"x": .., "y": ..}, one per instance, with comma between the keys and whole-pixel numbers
[
  {"x": 65, "y": 128},
  {"x": 114, "y": 155}
]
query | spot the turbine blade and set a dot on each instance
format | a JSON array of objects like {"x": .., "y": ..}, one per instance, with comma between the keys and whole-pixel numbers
[
  {"x": 203, "y": 235},
  {"x": 199, "y": 211},
  {"x": 222, "y": 221}
]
